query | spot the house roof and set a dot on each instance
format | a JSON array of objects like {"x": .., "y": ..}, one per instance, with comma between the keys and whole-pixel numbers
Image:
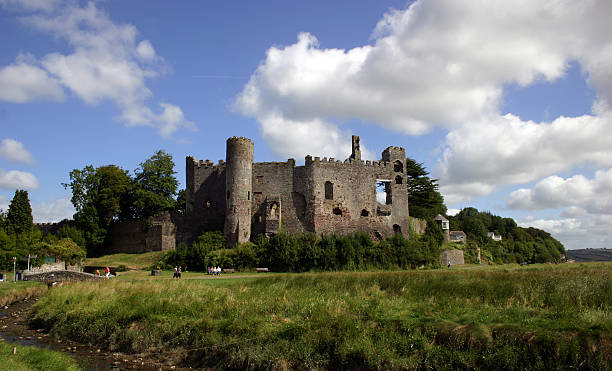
[
  {"x": 457, "y": 233},
  {"x": 440, "y": 217}
]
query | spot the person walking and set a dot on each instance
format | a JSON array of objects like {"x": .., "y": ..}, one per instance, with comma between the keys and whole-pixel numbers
[{"x": 107, "y": 272}]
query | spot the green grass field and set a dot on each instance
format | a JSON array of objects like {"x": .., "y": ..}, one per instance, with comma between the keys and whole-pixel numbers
[
  {"x": 509, "y": 317},
  {"x": 34, "y": 359},
  {"x": 131, "y": 261}
]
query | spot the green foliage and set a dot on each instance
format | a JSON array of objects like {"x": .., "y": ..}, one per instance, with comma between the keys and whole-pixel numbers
[
  {"x": 98, "y": 195},
  {"x": 29, "y": 358},
  {"x": 201, "y": 254},
  {"x": 155, "y": 185},
  {"x": 107, "y": 194},
  {"x": 286, "y": 252},
  {"x": 518, "y": 245},
  {"x": 64, "y": 249},
  {"x": 19, "y": 217},
  {"x": 425, "y": 200},
  {"x": 73, "y": 233}
]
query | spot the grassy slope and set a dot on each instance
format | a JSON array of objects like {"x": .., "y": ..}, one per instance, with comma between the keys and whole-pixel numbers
[
  {"x": 34, "y": 359},
  {"x": 132, "y": 261},
  {"x": 541, "y": 317}
]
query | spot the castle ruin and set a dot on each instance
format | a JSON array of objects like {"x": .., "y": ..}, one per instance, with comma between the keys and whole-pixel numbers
[{"x": 246, "y": 198}]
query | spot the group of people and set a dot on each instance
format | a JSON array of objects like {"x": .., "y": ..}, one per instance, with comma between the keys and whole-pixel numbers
[
  {"x": 214, "y": 271},
  {"x": 106, "y": 272},
  {"x": 177, "y": 272}
]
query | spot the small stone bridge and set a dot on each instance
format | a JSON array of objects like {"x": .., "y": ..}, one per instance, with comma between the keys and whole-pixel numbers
[{"x": 62, "y": 276}]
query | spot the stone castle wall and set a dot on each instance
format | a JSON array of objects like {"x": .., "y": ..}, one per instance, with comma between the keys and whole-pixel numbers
[{"x": 246, "y": 199}]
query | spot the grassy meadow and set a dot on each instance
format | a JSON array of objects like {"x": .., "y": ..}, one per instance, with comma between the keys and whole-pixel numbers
[
  {"x": 509, "y": 317},
  {"x": 28, "y": 358},
  {"x": 130, "y": 261}
]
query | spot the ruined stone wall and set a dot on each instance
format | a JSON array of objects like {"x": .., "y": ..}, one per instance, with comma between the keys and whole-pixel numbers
[
  {"x": 454, "y": 256},
  {"x": 156, "y": 233},
  {"x": 287, "y": 182},
  {"x": 205, "y": 194},
  {"x": 418, "y": 225},
  {"x": 352, "y": 204},
  {"x": 293, "y": 198}
]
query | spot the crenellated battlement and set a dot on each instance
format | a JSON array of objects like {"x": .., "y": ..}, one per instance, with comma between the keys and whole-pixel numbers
[
  {"x": 326, "y": 195},
  {"x": 317, "y": 161},
  {"x": 203, "y": 163}
]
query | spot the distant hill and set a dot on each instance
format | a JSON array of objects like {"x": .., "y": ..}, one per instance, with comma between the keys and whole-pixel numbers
[{"x": 590, "y": 255}]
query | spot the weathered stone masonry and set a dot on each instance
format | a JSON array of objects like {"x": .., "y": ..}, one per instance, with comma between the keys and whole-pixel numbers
[{"x": 324, "y": 196}]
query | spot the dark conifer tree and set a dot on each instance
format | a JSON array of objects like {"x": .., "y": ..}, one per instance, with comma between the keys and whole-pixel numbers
[{"x": 19, "y": 216}]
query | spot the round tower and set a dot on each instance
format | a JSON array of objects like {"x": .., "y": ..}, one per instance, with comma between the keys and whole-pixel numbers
[{"x": 239, "y": 190}]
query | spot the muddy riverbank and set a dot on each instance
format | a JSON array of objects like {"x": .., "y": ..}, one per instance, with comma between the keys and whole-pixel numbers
[{"x": 14, "y": 328}]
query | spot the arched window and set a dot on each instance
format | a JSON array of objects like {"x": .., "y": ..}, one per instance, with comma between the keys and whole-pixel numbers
[
  {"x": 397, "y": 228},
  {"x": 398, "y": 167},
  {"x": 329, "y": 190},
  {"x": 365, "y": 212},
  {"x": 337, "y": 211},
  {"x": 398, "y": 179}
]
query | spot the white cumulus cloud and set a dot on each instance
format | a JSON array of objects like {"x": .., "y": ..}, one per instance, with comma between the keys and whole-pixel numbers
[
  {"x": 53, "y": 211},
  {"x": 106, "y": 64},
  {"x": 22, "y": 82},
  {"x": 15, "y": 151},
  {"x": 15, "y": 179},
  {"x": 443, "y": 63},
  {"x": 593, "y": 196}
]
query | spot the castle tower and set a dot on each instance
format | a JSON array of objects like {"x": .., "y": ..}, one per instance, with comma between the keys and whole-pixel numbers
[
  {"x": 356, "y": 155},
  {"x": 239, "y": 190}
]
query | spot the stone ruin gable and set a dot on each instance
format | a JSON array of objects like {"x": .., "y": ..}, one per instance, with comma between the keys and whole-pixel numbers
[
  {"x": 343, "y": 197},
  {"x": 205, "y": 201},
  {"x": 280, "y": 191}
]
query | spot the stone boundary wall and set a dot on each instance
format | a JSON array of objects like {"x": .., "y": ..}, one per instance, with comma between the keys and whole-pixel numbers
[
  {"x": 454, "y": 256},
  {"x": 61, "y": 276}
]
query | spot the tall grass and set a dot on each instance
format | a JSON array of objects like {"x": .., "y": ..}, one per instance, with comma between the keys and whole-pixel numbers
[
  {"x": 11, "y": 292},
  {"x": 541, "y": 318}
]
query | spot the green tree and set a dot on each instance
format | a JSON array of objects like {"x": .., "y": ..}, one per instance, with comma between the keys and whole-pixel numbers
[
  {"x": 19, "y": 217},
  {"x": 155, "y": 185},
  {"x": 424, "y": 198},
  {"x": 98, "y": 195}
]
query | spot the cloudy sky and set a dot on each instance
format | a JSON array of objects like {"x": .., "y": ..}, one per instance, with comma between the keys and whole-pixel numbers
[{"x": 508, "y": 104}]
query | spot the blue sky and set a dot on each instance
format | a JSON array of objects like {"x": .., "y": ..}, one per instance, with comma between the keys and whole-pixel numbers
[{"x": 506, "y": 104}]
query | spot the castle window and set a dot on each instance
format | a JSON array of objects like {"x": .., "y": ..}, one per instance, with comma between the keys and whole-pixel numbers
[
  {"x": 337, "y": 211},
  {"x": 249, "y": 195},
  {"x": 329, "y": 190},
  {"x": 365, "y": 212},
  {"x": 259, "y": 179},
  {"x": 398, "y": 179},
  {"x": 208, "y": 203},
  {"x": 383, "y": 191},
  {"x": 397, "y": 228},
  {"x": 228, "y": 195},
  {"x": 398, "y": 167}
]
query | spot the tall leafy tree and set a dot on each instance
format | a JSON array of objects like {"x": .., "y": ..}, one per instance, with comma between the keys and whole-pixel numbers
[
  {"x": 19, "y": 216},
  {"x": 424, "y": 198},
  {"x": 155, "y": 185},
  {"x": 98, "y": 195}
]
